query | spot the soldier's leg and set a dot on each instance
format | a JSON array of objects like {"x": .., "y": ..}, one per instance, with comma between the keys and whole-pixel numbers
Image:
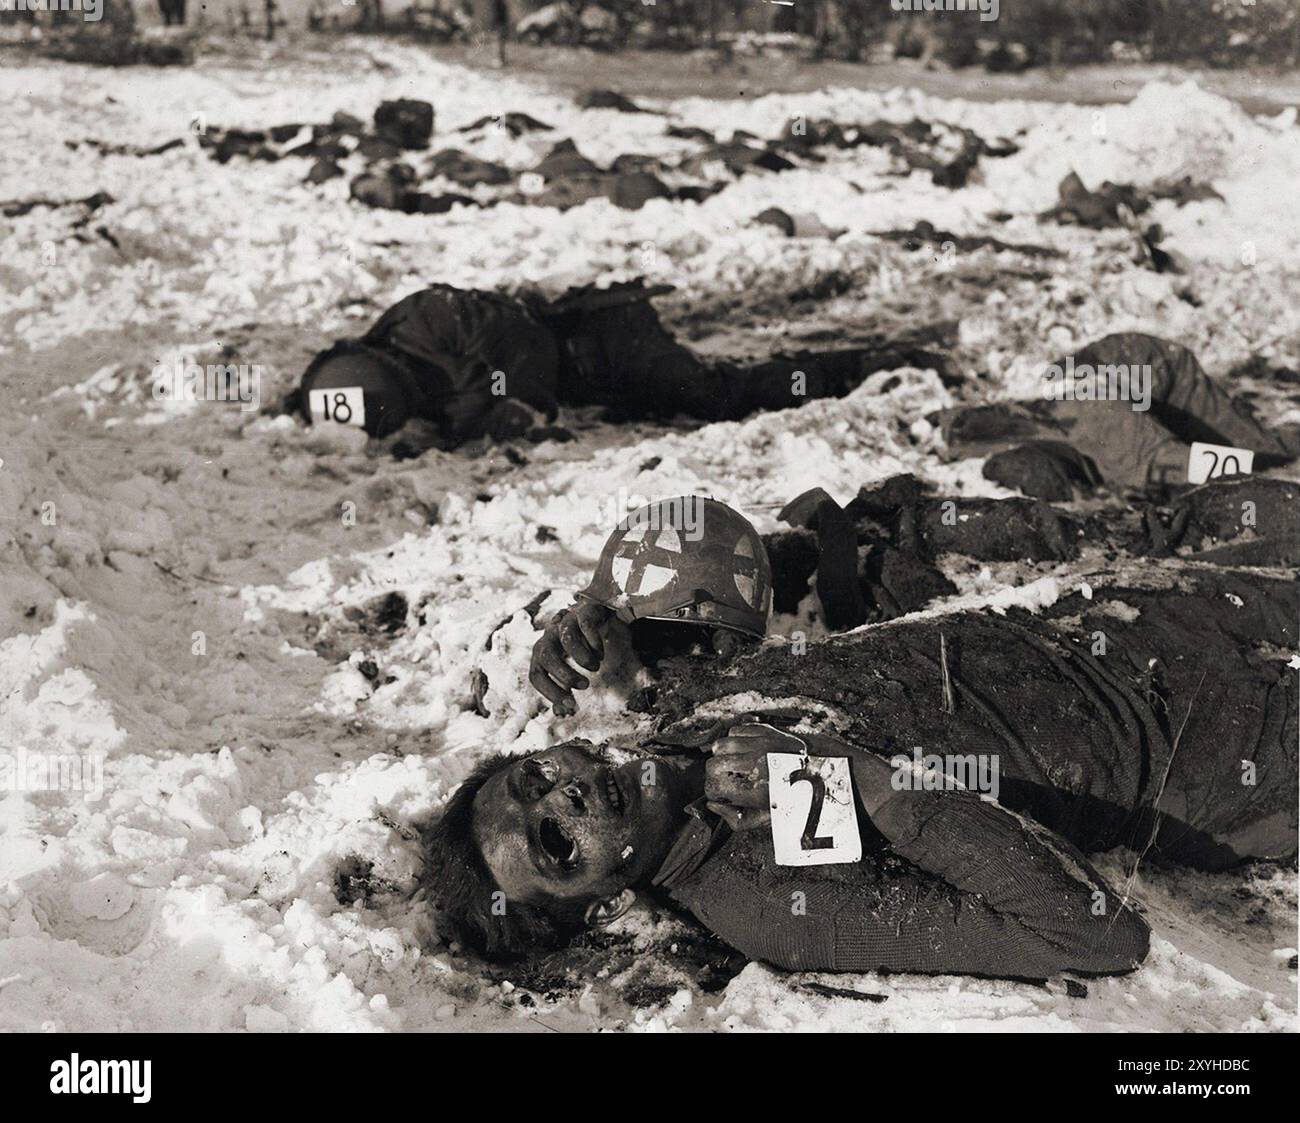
[
  {"x": 619, "y": 355},
  {"x": 1137, "y": 402},
  {"x": 1184, "y": 398},
  {"x": 776, "y": 384},
  {"x": 789, "y": 381}
]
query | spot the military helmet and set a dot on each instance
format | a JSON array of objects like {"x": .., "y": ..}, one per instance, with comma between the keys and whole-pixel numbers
[{"x": 687, "y": 559}]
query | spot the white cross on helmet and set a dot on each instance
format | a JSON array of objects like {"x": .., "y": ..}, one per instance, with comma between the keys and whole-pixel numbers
[{"x": 690, "y": 560}]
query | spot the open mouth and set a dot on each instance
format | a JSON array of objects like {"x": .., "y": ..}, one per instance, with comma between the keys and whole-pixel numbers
[
  {"x": 558, "y": 842},
  {"x": 613, "y": 793}
]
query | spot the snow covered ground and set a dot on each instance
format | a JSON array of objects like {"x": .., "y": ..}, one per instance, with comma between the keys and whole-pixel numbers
[{"x": 199, "y": 598}]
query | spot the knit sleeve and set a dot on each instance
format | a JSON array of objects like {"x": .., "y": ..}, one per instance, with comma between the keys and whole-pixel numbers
[{"x": 1030, "y": 899}]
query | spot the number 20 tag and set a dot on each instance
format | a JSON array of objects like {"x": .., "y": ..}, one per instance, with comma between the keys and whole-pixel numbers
[
  {"x": 814, "y": 818},
  {"x": 344, "y": 404},
  {"x": 1207, "y": 461}
]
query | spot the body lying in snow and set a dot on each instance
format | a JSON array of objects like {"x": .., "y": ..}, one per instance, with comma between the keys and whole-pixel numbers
[
  {"x": 1121, "y": 413},
  {"x": 472, "y": 364},
  {"x": 1176, "y": 739},
  {"x": 671, "y": 574}
]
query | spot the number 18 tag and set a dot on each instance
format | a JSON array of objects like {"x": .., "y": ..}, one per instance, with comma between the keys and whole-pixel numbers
[
  {"x": 344, "y": 404},
  {"x": 814, "y": 818}
]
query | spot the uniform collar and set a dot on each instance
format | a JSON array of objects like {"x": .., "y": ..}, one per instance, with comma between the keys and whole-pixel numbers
[{"x": 695, "y": 843}]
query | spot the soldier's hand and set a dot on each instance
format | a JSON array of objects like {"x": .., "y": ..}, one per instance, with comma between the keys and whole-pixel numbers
[
  {"x": 511, "y": 418},
  {"x": 735, "y": 776},
  {"x": 576, "y": 635}
]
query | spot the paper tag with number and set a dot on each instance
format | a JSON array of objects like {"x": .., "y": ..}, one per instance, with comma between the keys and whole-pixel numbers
[
  {"x": 344, "y": 404},
  {"x": 814, "y": 818},
  {"x": 1208, "y": 462}
]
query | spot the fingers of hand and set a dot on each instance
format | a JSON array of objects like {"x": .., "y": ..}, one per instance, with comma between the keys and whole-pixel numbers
[
  {"x": 552, "y": 691},
  {"x": 592, "y": 619},
  {"x": 751, "y": 744},
  {"x": 550, "y": 655},
  {"x": 574, "y": 641}
]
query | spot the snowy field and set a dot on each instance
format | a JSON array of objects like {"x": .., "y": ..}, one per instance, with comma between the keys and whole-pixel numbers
[{"x": 201, "y": 597}]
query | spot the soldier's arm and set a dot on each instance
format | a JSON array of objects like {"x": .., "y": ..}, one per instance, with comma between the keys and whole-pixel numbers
[
  {"x": 575, "y": 635},
  {"x": 987, "y": 892},
  {"x": 1040, "y": 898},
  {"x": 423, "y": 326}
]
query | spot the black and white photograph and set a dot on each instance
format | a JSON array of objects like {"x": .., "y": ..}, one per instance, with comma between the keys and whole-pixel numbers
[{"x": 650, "y": 516}]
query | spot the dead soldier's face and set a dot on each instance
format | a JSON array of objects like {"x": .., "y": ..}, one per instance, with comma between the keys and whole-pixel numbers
[{"x": 569, "y": 823}]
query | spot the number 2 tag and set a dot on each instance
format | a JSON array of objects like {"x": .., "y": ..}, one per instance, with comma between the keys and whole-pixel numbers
[
  {"x": 1208, "y": 462},
  {"x": 814, "y": 819},
  {"x": 344, "y": 404}
]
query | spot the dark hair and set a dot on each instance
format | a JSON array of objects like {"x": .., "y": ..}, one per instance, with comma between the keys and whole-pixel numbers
[
  {"x": 341, "y": 348},
  {"x": 462, "y": 888},
  {"x": 295, "y": 401},
  {"x": 333, "y": 351},
  {"x": 385, "y": 419}
]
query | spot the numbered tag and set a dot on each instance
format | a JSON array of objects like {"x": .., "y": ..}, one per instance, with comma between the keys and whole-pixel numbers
[
  {"x": 344, "y": 404},
  {"x": 814, "y": 819},
  {"x": 1208, "y": 462}
]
